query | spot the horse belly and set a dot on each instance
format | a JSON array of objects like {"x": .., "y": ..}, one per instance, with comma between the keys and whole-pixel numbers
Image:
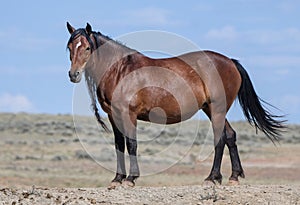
[{"x": 164, "y": 108}]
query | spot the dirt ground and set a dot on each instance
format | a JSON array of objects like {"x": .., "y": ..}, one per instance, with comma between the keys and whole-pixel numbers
[
  {"x": 243, "y": 194},
  {"x": 44, "y": 161}
]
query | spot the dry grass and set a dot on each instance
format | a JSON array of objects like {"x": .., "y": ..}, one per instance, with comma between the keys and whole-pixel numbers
[{"x": 45, "y": 150}]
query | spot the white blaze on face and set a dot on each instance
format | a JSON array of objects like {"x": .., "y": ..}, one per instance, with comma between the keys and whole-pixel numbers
[{"x": 78, "y": 44}]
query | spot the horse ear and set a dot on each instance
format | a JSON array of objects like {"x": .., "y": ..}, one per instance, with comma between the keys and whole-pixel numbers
[
  {"x": 88, "y": 28},
  {"x": 71, "y": 29}
]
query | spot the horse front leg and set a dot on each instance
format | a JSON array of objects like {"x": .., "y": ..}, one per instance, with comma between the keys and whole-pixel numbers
[
  {"x": 131, "y": 144},
  {"x": 126, "y": 122},
  {"x": 120, "y": 148}
]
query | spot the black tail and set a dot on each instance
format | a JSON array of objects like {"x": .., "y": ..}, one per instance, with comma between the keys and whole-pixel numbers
[{"x": 253, "y": 109}]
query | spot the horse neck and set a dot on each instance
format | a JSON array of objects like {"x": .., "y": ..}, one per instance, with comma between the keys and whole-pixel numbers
[
  {"x": 111, "y": 49},
  {"x": 106, "y": 55}
]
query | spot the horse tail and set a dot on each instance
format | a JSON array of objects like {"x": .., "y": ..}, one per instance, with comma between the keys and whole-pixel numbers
[{"x": 253, "y": 109}]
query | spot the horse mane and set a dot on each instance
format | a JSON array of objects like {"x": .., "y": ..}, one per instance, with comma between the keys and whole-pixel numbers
[
  {"x": 92, "y": 88},
  {"x": 97, "y": 36},
  {"x": 81, "y": 32}
]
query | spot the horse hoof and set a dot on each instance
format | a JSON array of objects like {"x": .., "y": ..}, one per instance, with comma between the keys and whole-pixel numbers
[
  {"x": 208, "y": 183},
  {"x": 114, "y": 185},
  {"x": 233, "y": 182},
  {"x": 127, "y": 183}
]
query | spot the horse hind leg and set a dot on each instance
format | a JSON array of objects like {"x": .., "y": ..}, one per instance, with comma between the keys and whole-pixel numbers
[
  {"x": 134, "y": 172},
  {"x": 215, "y": 173},
  {"x": 218, "y": 120},
  {"x": 131, "y": 144},
  {"x": 237, "y": 170}
]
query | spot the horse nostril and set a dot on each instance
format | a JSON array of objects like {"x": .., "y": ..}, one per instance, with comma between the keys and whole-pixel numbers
[
  {"x": 75, "y": 76},
  {"x": 72, "y": 75}
]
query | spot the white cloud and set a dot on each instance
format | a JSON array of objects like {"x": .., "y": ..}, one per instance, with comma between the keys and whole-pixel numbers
[
  {"x": 291, "y": 103},
  {"x": 288, "y": 6},
  {"x": 203, "y": 7},
  {"x": 275, "y": 61},
  {"x": 285, "y": 37},
  {"x": 24, "y": 41},
  {"x": 273, "y": 36},
  {"x": 15, "y": 103},
  {"x": 149, "y": 16},
  {"x": 225, "y": 33},
  {"x": 20, "y": 71},
  {"x": 283, "y": 71}
]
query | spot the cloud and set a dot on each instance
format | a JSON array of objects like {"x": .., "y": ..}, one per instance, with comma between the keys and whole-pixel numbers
[
  {"x": 288, "y": 6},
  {"x": 291, "y": 104},
  {"x": 17, "y": 71},
  {"x": 203, "y": 7},
  {"x": 275, "y": 61},
  {"x": 285, "y": 37},
  {"x": 224, "y": 33},
  {"x": 19, "y": 40},
  {"x": 149, "y": 16},
  {"x": 292, "y": 100},
  {"x": 15, "y": 103},
  {"x": 263, "y": 36}
]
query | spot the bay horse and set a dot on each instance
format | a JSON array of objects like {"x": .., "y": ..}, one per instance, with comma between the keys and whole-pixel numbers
[{"x": 130, "y": 86}]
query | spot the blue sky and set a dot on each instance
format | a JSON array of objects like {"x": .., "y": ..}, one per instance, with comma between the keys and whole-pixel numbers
[{"x": 263, "y": 34}]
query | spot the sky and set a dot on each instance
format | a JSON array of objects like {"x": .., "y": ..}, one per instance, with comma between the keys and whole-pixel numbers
[{"x": 263, "y": 34}]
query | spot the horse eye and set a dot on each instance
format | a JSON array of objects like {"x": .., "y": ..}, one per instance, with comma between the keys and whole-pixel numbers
[{"x": 88, "y": 48}]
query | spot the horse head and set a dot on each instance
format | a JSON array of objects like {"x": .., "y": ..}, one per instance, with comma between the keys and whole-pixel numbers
[{"x": 80, "y": 46}]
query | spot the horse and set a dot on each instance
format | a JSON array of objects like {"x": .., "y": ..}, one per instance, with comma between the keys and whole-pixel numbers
[{"x": 131, "y": 86}]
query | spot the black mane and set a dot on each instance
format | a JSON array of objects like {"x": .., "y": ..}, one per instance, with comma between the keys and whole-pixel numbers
[
  {"x": 99, "y": 38},
  {"x": 80, "y": 32}
]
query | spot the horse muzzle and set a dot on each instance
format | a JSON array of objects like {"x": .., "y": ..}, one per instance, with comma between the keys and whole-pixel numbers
[{"x": 75, "y": 77}]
